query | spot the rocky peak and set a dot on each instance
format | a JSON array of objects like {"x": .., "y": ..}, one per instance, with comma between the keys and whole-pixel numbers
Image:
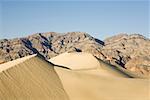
[
  {"x": 47, "y": 44},
  {"x": 116, "y": 38},
  {"x": 125, "y": 48},
  {"x": 122, "y": 49}
]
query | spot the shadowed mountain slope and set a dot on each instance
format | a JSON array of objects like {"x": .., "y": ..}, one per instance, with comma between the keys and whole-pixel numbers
[{"x": 120, "y": 50}]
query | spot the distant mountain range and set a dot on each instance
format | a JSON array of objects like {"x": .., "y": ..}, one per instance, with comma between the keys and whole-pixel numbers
[{"x": 128, "y": 51}]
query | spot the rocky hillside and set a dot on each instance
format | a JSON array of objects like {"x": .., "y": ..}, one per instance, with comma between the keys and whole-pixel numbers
[{"x": 129, "y": 51}]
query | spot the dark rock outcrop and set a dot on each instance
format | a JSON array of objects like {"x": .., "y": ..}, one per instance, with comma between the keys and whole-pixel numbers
[{"x": 123, "y": 50}]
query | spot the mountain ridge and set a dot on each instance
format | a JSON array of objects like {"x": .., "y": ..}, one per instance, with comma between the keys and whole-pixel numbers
[{"x": 119, "y": 49}]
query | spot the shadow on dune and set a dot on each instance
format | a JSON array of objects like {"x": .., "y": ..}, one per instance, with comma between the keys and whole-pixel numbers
[
  {"x": 31, "y": 78},
  {"x": 121, "y": 70}
]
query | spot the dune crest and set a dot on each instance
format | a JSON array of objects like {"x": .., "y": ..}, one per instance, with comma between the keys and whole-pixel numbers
[
  {"x": 87, "y": 63},
  {"x": 96, "y": 80},
  {"x": 34, "y": 78},
  {"x": 30, "y": 78},
  {"x": 76, "y": 60}
]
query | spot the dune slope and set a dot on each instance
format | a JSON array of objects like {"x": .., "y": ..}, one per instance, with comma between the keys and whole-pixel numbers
[
  {"x": 30, "y": 78},
  {"x": 75, "y": 60},
  {"x": 96, "y": 80},
  {"x": 33, "y": 78},
  {"x": 87, "y": 86},
  {"x": 86, "y": 62}
]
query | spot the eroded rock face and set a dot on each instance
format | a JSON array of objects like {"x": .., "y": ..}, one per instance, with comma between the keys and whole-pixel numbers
[
  {"x": 121, "y": 49},
  {"x": 139, "y": 65},
  {"x": 127, "y": 50},
  {"x": 48, "y": 45}
]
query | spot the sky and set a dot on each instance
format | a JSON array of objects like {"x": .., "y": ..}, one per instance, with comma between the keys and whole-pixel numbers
[{"x": 101, "y": 19}]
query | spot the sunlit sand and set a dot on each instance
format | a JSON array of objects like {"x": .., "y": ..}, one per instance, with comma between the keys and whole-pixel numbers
[{"x": 73, "y": 76}]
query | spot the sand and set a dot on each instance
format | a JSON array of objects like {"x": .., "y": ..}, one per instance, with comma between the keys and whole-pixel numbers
[
  {"x": 86, "y": 62},
  {"x": 30, "y": 78},
  {"x": 10, "y": 64},
  {"x": 99, "y": 82},
  {"x": 33, "y": 78},
  {"x": 84, "y": 86}
]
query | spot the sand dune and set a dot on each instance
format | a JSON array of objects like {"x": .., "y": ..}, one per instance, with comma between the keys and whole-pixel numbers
[
  {"x": 84, "y": 86},
  {"x": 33, "y": 78},
  {"x": 96, "y": 80},
  {"x": 30, "y": 78},
  {"x": 86, "y": 62},
  {"x": 75, "y": 60},
  {"x": 119, "y": 69},
  {"x": 92, "y": 79}
]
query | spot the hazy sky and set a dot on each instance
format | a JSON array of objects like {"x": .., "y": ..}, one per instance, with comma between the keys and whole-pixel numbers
[{"x": 99, "y": 18}]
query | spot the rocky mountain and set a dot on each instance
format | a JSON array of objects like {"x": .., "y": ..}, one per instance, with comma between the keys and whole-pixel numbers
[{"x": 128, "y": 51}]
